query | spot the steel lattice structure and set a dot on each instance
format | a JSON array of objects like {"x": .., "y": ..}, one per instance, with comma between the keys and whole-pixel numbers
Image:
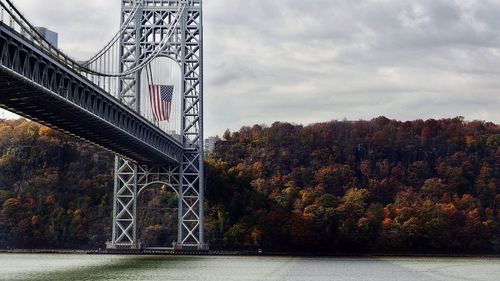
[
  {"x": 142, "y": 37},
  {"x": 37, "y": 86},
  {"x": 99, "y": 102}
]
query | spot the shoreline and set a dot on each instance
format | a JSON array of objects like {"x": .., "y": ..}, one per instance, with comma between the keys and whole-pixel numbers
[{"x": 146, "y": 252}]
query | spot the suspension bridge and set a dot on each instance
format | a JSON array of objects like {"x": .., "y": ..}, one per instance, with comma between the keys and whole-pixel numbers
[{"x": 140, "y": 97}]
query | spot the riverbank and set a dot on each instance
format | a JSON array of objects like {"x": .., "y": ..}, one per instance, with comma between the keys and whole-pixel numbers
[
  {"x": 239, "y": 253},
  {"x": 42, "y": 251}
]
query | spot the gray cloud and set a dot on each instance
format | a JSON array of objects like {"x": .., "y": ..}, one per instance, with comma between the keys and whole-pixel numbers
[{"x": 317, "y": 60}]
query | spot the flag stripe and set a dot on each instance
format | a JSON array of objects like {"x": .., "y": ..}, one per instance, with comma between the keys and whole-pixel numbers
[{"x": 160, "y": 97}]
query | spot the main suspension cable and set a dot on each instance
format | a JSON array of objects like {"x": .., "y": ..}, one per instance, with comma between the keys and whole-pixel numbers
[
  {"x": 117, "y": 36},
  {"x": 27, "y": 27}
]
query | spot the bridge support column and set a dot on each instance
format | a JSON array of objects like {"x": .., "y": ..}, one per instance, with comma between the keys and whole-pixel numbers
[
  {"x": 124, "y": 235},
  {"x": 191, "y": 200},
  {"x": 144, "y": 34},
  {"x": 131, "y": 179}
]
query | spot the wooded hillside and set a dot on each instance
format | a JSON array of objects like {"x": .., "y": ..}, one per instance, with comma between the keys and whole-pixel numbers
[{"x": 364, "y": 186}]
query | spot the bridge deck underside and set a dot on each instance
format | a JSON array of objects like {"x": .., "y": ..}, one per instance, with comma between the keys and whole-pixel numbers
[
  {"x": 27, "y": 101},
  {"x": 39, "y": 88}
]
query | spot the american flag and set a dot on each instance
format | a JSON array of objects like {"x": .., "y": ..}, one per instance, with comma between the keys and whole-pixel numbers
[{"x": 161, "y": 101}]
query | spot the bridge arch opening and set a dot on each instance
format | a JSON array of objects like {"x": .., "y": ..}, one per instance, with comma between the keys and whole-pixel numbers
[
  {"x": 165, "y": 71},
  {"x": 157, "y": 206}
]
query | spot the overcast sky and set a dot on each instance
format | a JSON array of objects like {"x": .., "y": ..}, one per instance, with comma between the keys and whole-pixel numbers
[{"x": 307, "y": 61}]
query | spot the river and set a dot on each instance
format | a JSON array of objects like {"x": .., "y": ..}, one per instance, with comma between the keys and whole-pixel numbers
[{"x": 67, "y": 267}]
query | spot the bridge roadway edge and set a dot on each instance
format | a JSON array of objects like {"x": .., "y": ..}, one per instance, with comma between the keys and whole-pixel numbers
[{"x": 33, "y": 101}]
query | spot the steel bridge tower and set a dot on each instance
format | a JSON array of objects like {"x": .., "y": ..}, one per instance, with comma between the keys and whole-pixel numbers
[{"x": 142, "y": 36}]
